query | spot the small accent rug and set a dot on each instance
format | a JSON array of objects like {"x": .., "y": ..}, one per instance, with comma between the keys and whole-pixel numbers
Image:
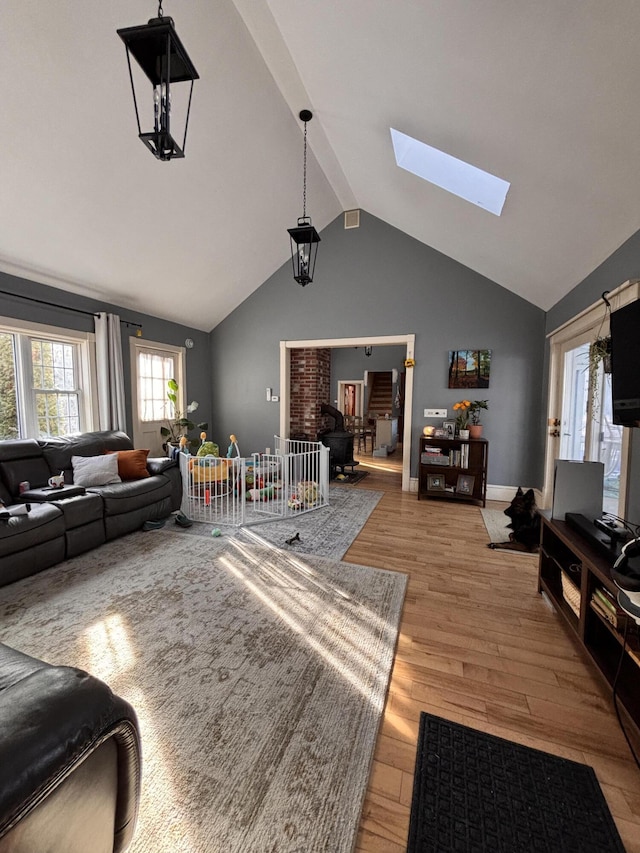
[
  {"x": 259, "y": 678},
  {"x": 496, "y": 523},
  {"x": 326, "y": 532},
  {"x": 474, "y": 792}
]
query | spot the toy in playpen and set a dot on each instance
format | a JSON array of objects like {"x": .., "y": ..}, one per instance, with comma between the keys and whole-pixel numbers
[
  {"x": 208, "y": 474},
  {"x": 237, "y": 490},
  {"x": 306, "y": 496}
]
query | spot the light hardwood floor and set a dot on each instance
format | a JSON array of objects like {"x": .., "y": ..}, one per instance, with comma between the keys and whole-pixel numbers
[{"x": 480, "y": 646}]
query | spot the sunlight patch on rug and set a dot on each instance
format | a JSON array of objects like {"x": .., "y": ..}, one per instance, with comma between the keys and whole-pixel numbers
[{"x": 259, "y": 677}]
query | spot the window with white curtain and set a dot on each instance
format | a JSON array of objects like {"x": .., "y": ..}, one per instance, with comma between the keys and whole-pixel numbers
[{"x": 45, "y": 382}]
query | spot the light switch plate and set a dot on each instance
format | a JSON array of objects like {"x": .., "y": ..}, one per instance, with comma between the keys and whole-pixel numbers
[{"x": 435, "y": 413}]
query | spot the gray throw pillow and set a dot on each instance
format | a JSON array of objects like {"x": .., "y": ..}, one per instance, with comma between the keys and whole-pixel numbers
[{"x": 95, "y": 470}]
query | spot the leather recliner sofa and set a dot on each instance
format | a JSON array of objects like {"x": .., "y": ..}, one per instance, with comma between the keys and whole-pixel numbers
[
  {"x": 70, "y": 760},
  {"x": 62, "y": 523}
]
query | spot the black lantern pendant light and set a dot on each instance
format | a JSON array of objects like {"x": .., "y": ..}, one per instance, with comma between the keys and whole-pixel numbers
[
  {"x": 159, "y": 52},
  {"x": 304, "y": 238}
]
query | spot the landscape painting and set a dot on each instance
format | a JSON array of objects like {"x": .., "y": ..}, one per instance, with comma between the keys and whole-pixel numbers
[{"x": 469, "y": 368}]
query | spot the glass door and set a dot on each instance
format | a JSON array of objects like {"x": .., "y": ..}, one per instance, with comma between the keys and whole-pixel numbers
[{"x": 587, "y": 432}]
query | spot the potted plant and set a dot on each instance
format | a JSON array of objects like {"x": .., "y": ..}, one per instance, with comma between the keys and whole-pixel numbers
[
  {"x": 475, "y": 427},
  {"x": 462, "y": 418},
  {"x": 180, "y": 425}
]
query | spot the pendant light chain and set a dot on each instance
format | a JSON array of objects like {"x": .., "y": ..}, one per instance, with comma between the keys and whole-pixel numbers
[
  {"x": 304, "y": 175},
  {"x": 160, "y": 15}
]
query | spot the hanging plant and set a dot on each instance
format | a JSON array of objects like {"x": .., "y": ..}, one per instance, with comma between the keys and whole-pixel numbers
[{"x": 599, "y": 354}]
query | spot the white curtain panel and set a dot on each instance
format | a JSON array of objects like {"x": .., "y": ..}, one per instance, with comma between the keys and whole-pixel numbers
[{"x": 111, "y": 405}]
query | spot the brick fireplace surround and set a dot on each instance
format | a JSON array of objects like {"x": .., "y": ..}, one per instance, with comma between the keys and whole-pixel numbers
[{"x": 310, "y": 388}]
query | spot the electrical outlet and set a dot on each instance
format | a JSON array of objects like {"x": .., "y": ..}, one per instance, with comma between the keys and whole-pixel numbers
[
  {"x": 435, "y": 413},
  {"x": 275, "y": 398}
]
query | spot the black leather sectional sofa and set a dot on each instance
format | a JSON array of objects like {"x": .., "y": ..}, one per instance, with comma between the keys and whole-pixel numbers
[
  {"x": 62, "y": 523},
  {"x": 70, "y": 760}
]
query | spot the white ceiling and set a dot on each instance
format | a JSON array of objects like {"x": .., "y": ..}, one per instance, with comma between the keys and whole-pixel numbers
[{"x": 544, "y": 95}]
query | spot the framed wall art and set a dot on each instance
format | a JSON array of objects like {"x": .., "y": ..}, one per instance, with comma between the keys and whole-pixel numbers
[{"x": 469, "y": 368}]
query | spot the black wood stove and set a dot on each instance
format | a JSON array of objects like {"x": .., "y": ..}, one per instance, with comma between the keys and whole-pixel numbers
[{"x": 338, "y": 440}]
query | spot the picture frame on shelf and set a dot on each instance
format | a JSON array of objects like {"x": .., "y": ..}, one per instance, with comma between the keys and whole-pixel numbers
[
  {"x": 435, "y": 482},
  {"x": 439, "y": 433},
  {"x": 450, "y": 428},
  {"x": 464, "y": 486}
]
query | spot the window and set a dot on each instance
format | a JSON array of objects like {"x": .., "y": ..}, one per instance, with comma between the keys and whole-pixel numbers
[
  {"x": 154, "y": 371},
  {"x": 587, "y": 428},
  {"x": 457, "y": 177},
  {"x": 55, "y": 388},
  {"x": 45, "y": 387},
  {"x": 580, "y": 414}
]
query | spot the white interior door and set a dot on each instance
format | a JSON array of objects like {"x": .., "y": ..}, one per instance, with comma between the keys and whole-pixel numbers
[{"x": 152, "y": 365}]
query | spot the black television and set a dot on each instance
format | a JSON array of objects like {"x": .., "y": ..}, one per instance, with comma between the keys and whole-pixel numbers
[{"x": 625, "y": 364}]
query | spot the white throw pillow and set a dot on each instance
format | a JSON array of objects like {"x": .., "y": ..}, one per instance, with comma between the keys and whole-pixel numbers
[{"x": 95, "y": 470}]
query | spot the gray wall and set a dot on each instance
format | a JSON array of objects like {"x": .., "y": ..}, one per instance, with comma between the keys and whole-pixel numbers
[
  {"x": 622, "y": 265},
  {"x": 376, "y": 280},
  {"x": 154, "y": 329}
]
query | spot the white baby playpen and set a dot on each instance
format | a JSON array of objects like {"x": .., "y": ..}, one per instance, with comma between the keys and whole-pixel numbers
[{"x": 262, "y": 487}]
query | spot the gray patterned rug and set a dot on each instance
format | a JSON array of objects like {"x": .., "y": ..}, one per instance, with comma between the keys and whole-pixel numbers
[
  {"x": 326, "y": 532},
  {"x": 259, "y": 678}
]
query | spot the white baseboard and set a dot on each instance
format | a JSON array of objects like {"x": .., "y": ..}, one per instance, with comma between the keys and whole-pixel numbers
[
  {"x": 494, "y": 493},
  {"x": 507, "y": 493}
]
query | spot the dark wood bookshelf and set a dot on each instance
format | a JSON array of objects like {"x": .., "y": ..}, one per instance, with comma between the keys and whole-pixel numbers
[{"x": 474, "y": 465}]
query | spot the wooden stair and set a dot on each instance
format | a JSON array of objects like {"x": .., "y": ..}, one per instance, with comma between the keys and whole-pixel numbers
[{"x": 380, "y": 398}]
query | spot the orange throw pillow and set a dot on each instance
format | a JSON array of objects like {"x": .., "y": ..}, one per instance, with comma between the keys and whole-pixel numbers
[{"x": 132, "y": 464}]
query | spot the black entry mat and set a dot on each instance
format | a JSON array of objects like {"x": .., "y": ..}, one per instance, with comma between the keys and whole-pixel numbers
[{"x": 474, "y": 793}]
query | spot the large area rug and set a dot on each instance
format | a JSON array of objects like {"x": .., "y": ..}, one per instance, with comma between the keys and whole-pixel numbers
[
  {"x": 326, "y": 532},
  {"x": 259, "y": 678},
  {"x": 474, "y": 792}
]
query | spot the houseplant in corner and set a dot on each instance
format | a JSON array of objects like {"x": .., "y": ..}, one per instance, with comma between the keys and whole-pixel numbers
[
  {"x": 475, "y": 427},
  {"x": 180, "y": 425}
]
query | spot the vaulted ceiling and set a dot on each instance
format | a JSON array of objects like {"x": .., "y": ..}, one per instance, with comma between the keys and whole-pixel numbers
[{"x": 543, "y": 95}]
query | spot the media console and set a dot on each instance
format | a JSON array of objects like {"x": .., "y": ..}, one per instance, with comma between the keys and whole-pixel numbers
[
  {"x": 606, "y": 539},
  {"x": 575, "y": 573}
]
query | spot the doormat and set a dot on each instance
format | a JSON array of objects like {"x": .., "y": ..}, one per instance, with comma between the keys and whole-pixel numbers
[
  {"x": 474, "y": 792},
  {"x": 349, "y": 478},
  {"x": 496, "y": 523}
]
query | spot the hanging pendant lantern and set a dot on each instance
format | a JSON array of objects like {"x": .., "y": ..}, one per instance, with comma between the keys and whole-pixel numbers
[
  {"x": 159, "y": 52},
  {"x": 304, "y": 238}
]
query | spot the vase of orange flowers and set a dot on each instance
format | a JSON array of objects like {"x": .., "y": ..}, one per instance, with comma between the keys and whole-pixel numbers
[{"x": 462, "y": 417}]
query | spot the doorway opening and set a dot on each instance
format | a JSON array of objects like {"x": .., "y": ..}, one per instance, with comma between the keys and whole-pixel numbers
[{"x": 406, "y": 340}]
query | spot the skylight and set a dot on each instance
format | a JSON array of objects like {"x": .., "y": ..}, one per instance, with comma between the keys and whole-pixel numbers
[{"x": 449, "y": 173}]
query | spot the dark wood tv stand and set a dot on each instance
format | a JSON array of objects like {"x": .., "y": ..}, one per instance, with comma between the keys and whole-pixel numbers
[{"x": 570, "y": 573}]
